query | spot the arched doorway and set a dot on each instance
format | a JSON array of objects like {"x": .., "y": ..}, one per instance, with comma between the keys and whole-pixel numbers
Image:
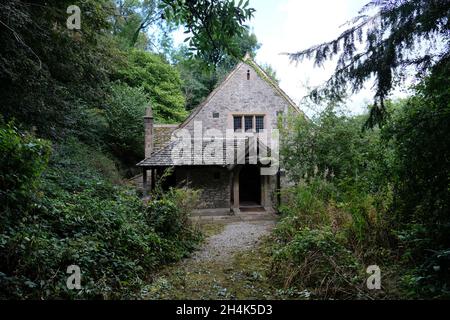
[{"x": 249, "y": 186}]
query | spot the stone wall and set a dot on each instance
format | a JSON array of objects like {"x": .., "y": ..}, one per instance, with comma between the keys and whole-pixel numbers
[
  {"x": 237, "y": 95},
  {"x": 214, "y": 183}
]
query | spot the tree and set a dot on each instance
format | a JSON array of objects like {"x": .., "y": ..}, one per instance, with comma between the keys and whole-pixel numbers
[
  {"x": 48, "y": 72},
  {"x": 212, "y": 26},
  {"x": 394, "y": 39},
  {"x": 159, "y": 80},
  {"x": 331, "y": 144},
  {"x": 133, "y": 21},
  {"x": 200, "y": 76},
  {"x": 270, "y": 71},
  {"x": 126, "y": 108}
]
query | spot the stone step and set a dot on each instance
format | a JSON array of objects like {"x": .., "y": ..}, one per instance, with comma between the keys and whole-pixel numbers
[{"x": 257, "y": 216}]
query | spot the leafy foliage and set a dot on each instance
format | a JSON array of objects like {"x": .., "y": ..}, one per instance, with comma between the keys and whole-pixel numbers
[
  {"x": 125, "y": 126},
  {"x": 79, "y": 217},
  {"x": 169, "y": 213},
  {"x": 199, "y": 77},
  {"x": 212, "y": 27},
  {"x": 420, "y": 138},
  {"x": 394, "y": 35},
  {"x": 318, "y": 262},
  {"x": 333, "y": 146},
  {"x": 159, "y": 81},
  {"x": 85, "y": 90},
  {"x": 133, "y": 21},
  {"x": 44, "y": 85},
  {"x": 23, "y": 158},
  {"x": 384, "y": 193}
]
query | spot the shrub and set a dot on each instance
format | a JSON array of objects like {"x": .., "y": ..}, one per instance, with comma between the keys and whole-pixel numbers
[
  {"x": 419, "y": 132},
  {"x": 170, "y": 214},
  {"x": 78, "y": 216},
  {"x": 305, "y": 203},
  {"x": 310, "y": 204},
  {"x": 334, "y": 217},
  {"x": 75, "y": 166},
  {"x": 316, "y": 260},
  {"x": 22, "y": 160}
]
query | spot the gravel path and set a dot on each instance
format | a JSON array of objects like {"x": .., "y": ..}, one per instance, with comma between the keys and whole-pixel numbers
[{"x": 238, "y": 236}]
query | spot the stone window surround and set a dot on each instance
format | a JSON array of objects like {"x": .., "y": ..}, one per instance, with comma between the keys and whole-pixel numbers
[{"x": 231, "y": 115}]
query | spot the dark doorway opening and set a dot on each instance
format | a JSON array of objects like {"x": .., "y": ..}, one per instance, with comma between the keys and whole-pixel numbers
[{"x": 249, "y": 186}]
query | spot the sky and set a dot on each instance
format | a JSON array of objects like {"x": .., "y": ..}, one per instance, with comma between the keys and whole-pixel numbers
[{"x": 292, "y": 25}]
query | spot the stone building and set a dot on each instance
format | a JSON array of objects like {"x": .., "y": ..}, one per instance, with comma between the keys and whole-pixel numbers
[{"x": 227, "y": 147}]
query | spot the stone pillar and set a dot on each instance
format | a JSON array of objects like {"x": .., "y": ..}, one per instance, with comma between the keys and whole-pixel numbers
[
  {"x": 153, "y": 181},
  {"x": 148, "y": 145},
  {"x": 263, "y": 190},
  {"x": 236, "y": 191},
  {"x": 148, "y": 127},
  {"x": 145, "y": 182}
]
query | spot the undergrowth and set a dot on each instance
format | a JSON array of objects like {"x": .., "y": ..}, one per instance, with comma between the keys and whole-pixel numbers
[{"x": 74, "y": 211}]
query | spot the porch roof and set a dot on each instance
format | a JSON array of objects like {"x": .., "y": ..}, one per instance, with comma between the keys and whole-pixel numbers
[{"x": 170, "y": 155}]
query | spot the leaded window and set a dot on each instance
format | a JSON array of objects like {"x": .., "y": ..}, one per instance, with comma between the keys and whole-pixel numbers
[
  {"x": 248, "y": 123},
  {"x": 237, "y": 123},
  {"x": 259, "y": 123}
]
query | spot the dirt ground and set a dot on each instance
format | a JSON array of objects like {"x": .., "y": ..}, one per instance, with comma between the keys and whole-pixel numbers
[
  {"x": 231, "y": 264},
  {"x": 234, "y": 238}
]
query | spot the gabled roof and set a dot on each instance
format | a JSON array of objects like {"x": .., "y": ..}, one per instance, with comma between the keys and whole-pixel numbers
[
  {"x": 166, "y": 157},
  {"x": 249, "y": 62},
  {"x": 163, "y": 156}
]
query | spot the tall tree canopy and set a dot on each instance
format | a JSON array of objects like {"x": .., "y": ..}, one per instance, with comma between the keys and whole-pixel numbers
[
  {"x": 212, "y": 27},
  {"x": 199, "y": 75},
  {"x": 49, "y": 75},
  {"x": 384, "y": 41},
  {"x": 159, "y": 80}
]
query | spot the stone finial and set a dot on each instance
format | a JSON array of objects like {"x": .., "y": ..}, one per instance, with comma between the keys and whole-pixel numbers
[{"x": 149, "y": 112}]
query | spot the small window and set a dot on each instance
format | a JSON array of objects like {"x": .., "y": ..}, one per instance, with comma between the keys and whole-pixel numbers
[
  {"x": 259, "y": 122},
  {"x": 248, "y": 74},
  {"x": 215, "y": 114},
  {"x": 248, "y": 123},
  {"x": 237, "y": 123}
]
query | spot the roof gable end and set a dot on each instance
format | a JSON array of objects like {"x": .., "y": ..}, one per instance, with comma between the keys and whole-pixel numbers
[{"x": 248, "y": 62}]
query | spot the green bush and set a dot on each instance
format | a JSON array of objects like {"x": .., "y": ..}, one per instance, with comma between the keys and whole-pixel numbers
[
  {"x": 316, "y": 260},
  {"x": 77, "y": 215},
  {"x": 419, "y": 132},
  {"x": 334, "y": 217},
  {"x": 22, "y": 160},
  {"x": 169, "y": 216},
  {"x": 305, "y": 205}
]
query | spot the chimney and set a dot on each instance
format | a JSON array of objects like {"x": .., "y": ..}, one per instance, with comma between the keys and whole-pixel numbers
[{"x": 148, "y": 124}]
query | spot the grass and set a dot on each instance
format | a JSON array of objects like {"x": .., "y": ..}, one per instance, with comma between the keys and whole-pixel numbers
[
  {"x": 245, "y": 276},
  {"x": 248, "y": 275}
]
